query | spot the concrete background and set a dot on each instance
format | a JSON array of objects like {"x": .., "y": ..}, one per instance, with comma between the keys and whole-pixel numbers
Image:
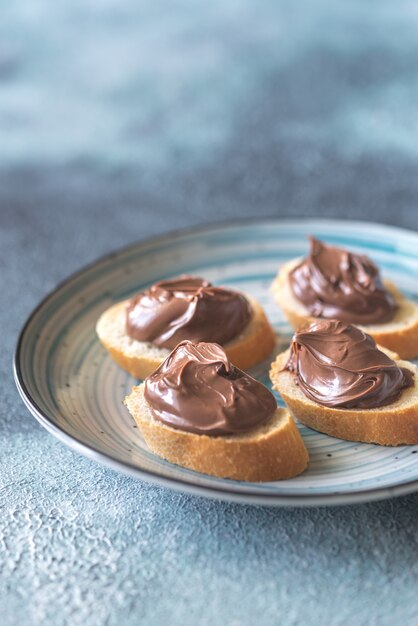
[{"x": 121, "y": 120}]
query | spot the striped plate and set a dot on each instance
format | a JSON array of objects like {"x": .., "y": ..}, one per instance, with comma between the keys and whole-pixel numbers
[{"x": 75, "y": 390}]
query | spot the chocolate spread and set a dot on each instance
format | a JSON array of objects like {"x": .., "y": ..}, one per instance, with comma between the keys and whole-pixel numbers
[
  {"x": 187, "y": 307},
  {"x": 197, "y": 389},
  {"x": 338, "y": 365},
  {"x": 334, "y": 283}
]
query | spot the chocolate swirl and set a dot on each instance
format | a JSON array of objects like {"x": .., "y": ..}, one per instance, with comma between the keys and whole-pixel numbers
[
  {"x": 334, "y": 283},
  {"x": 338, "y": 365},
  {"x": 197, "y": 389},
  {"x": 187, "y": 307}
]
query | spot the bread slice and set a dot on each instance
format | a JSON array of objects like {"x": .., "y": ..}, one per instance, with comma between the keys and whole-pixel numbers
[
  {"x": 141, "y": 358},
  {"x": 274, "y": 451},
  {"x": 399, "y": 335},
  {"x": 391, "y": 425}
]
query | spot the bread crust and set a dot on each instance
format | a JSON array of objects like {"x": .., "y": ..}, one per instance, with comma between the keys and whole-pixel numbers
[
  {"x": 140, "y": 359},
  {"x": 271, "y": 452},
  {"x": 392, "y": 425},
  {"x": 399, "y": 335}
]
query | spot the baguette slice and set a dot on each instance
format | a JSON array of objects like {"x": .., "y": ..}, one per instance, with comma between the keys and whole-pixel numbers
[
  {"x": 392, "y": 425},
  {"x": 399, "y": 335},
  {"x": 141, "y": 358},
  {"x": 274, "y": 451}
]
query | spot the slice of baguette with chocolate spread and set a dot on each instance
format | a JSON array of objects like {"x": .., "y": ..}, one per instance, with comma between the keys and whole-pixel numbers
[
  {"x": 141, "y": 358},
  {"x": 390, "y": 425},
  {"x": 273, "y": 451},
  {"x": 399, "y": 335}
]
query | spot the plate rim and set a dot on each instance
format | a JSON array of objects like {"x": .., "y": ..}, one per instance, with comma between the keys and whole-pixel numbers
[{"x": 177, "y": 484}]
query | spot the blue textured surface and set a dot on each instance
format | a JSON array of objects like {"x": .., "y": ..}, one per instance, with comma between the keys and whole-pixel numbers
[{"x": 122, "y": 120}]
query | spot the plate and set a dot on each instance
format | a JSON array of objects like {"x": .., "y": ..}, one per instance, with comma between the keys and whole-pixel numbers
[{"x": 74, "y": 389}]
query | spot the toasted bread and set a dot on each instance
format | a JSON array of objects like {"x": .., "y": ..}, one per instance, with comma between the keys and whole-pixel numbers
[
  {"x": 399, "y": 335},
  {"x": 391, "y": 425},
  {"x": 141, "y": 358},
  {"x": 273, "y": 451}
]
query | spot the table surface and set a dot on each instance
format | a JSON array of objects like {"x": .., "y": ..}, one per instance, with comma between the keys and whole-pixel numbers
[{"x": 123, "y": 120}]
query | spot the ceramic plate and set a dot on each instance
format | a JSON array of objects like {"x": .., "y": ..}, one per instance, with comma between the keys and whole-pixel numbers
[{"x": 74, "y": 389}]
